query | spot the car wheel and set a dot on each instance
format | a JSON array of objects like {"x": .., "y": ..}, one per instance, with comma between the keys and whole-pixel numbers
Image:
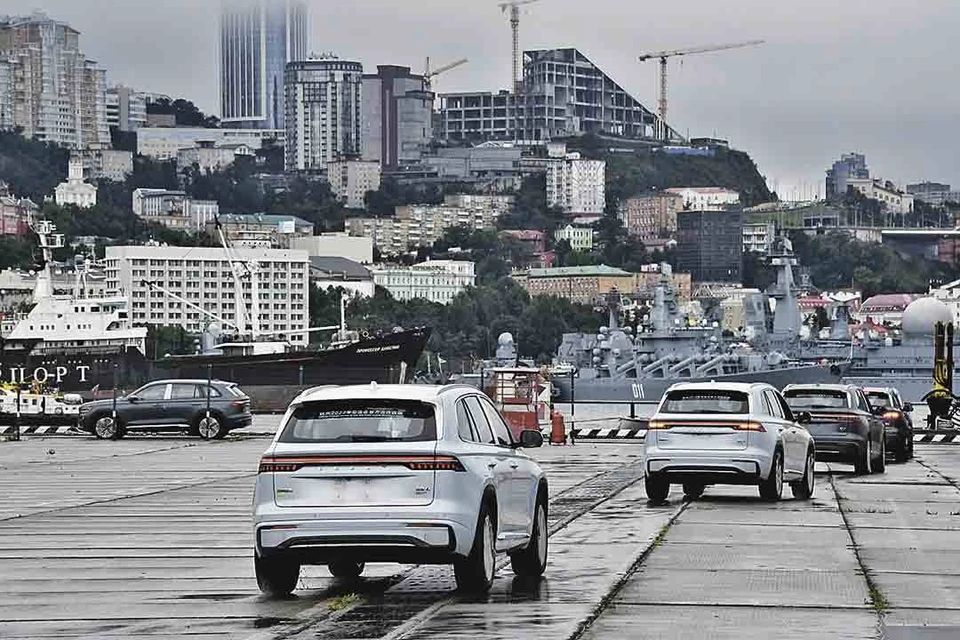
[
  {"x": 475, "y": 572},
  {"x": 910, "y": 438},
  {"x": 903, "y": 451},
  {"x": 863, "y": 465},
  {"x": 802, "y": 489},
  {"x": 210, "y": 428},
  {"x": 658, "y": 488},
  {"x": 532, "y": 561},
  {"x": 880, "y": 464},
  {"x": 346, "y": 569},
  {"x": 772, "y": 488},
  {"x": 106, "y": 427},
  {"x": 693, "y": 490},
  {"x": 276, "y": 578}
]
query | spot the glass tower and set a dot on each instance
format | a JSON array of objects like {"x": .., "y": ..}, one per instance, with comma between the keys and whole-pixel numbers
[{"x": 257, "y": 39}]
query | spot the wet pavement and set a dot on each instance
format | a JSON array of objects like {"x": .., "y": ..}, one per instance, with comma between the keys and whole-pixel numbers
[{"x": 150, "y": 537}]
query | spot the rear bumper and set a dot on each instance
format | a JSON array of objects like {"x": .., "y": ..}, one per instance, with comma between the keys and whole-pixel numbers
[
  {"x": 840, "y": 448},
  {"x": 240, "y": 421},
  {"x": 735, "y": 467},
  {"x": 406, "y": 540}
]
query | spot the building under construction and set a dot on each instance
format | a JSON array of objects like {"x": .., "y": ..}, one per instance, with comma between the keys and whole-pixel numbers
[{"x": 562, "y": 93}]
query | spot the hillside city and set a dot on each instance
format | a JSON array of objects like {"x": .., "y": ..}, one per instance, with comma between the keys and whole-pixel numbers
[{"x": 476, "y": 213}]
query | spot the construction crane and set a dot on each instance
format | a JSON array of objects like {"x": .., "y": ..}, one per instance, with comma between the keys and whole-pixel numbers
[
  {"x": 428, "y": 74},
  {"x": 514, "y": 6},
  {"x": 663, "y": 55}
]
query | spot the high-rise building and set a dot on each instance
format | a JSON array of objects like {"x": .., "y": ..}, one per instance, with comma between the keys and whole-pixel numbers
[
  {"x": 57, "y": 94},
  {"x": 6, "y": 94},
  {"x": 323, "y": 118},
  {"x": 850, "y": 166},
  {"x": 126, "y": 108},
  {"x": 351, "y": 179},
  {"x": 257, "y": 40},
  {"x": 562, "y": 94},
  {"x": 650, "y": 216},
  {"x": 577, "y": 185},
  {"x": 397, "y": 116},
  {"x": 710, "y": 245}
]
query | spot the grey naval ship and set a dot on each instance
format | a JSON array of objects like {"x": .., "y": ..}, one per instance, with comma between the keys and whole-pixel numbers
[{"x": 621, "y": 365}]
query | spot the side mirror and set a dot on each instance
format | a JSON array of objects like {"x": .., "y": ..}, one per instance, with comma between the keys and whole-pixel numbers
[
  {"x": 804, "y": 417},
  {"x": 878, "y": 411},
  {"x": 907, "y": 407},
  {"x": 133, "y": 399},
  {"x": 530, "y": 439}
]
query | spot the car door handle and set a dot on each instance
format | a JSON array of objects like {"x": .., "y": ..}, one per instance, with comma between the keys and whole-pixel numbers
[
  {"x": 514, "y": 465},
  {"x": 492, "y": 465}
]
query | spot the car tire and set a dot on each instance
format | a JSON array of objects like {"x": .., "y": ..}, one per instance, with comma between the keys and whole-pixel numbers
[
  {"x": 880, "y": 463},
  {"x": 475, "y": 573},
  {"x": 772, "y": 488},
  {"x": 276, "y": 577},
  {"x": 802, "y": 489},
  {"x": 863, "y": 465},
  {"x": 693, "y": 490},
  {"x": 531, "y": 562},
  {"x": 658, "y": 488},
  {"x": 346, "y": 569},
  {"x": 211, "y": 428},
  {"x": 106, "y": 427},
  {"x": 903, "y": 451},
  {"x": 910, "y": 455}
]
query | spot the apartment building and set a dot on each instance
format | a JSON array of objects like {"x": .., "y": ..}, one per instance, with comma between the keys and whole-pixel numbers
[
  {"x": 262, "y": 229},
  {"x": 174, "y": 209},
  {"x": 758, "y": 237},
  {"x": 577, "y": 185},
  {"x": 58, "y": 95},
  {"x": 892, "y": 198},
  {"x": 203, "y": 277},
  {"x": 651, "y": 216},
  {"x": 434, "y": 280},
  {"x": 15, "y": 213},
  {"x": 351, "y": 179},
  {"x": 323, "y": 113},
  {"x": 419, "y": 225},
  {"x": 706, "y": 198},
  {"x": 126, "y": 108},
  {"x": 591, "y": 284},
  {"x": 164, "y": 143}
]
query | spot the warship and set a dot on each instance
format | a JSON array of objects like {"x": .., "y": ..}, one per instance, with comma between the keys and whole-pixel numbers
[{"x": 618, "y": 364}]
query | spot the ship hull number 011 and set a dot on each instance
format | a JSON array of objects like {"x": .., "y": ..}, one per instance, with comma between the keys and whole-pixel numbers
[{"x": 638, "y": 391}]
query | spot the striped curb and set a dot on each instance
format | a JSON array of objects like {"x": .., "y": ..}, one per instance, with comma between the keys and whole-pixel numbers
[
  {"x": 608, "y": 434},
  {"x": 936, "y": 437},
  {"x": 43, "y": 431}
]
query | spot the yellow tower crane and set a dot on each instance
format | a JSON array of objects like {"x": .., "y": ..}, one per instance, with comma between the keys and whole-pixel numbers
[{"x": 663, "y": 55}]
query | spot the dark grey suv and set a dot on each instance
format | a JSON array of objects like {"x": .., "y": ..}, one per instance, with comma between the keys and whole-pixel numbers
[{"x": 170, "y": 405}]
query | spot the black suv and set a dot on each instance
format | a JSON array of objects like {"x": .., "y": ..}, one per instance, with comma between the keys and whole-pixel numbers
[
  {"x": 898, "y": 425},
  {"x": 171, "y": 405}
]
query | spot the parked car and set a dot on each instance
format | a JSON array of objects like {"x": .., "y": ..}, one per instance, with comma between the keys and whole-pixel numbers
[
  {"x": 843, "y": 424},
  {"x": 727, "y": 433},
  {"x": 398, "y": 473},
  {"x": 897, "y": 421},
  {"x": 170, "y": 405}
]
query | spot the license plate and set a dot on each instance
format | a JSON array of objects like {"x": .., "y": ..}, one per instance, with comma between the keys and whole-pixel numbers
[{"x": 944, "y": 423}]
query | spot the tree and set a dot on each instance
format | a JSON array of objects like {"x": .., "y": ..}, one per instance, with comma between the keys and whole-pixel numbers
[{"x": 184, "y": 111}]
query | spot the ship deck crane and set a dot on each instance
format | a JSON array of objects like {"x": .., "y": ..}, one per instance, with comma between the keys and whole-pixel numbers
[
  {"x": 514, "y": 7},
  {"x": 663, "y": 55},
  {"x": 430, "y": 74}
]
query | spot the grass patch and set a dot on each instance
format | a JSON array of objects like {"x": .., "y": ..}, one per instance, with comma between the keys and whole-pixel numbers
[
  {"x": 877, "y": 599},
  {"x": 344, "y": 601},
  {"x": 661, "y": 535}
]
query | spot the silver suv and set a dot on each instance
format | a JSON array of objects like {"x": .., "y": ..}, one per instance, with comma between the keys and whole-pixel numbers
[{"x": 397, "y": 473}]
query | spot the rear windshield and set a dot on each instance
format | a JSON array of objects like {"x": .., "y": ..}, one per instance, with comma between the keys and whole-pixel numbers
[
  {"x": 361, "y": 421},
  {"x": 236, "y": 391},
  {"x": 879, "y": 399},
  {"x": 806, "y": 399},
  {"x": 705, "y": 401}
]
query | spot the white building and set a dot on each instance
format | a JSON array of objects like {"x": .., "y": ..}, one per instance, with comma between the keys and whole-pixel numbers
[
  {"x": 126, "y": 108},
  {"x": 336, "y": 245},
  {"x": 207, "y": 156},
  {"x": 323, "y": 106},
  {"x": 163, "y": 143},
  {"x": 203, "y": 277},
  {"x": 706, "y": 198},
  {"x": 112, "y": 164},
  {"x": 351, "y": 179},
  {"x": 328, "y": 272},
  {"x": 890, "y": 197},
  {"x": 419, "y": 225},
  {"x": 75, "y": 191},
  {"x": 577, "y": 185},
  {"x": 502, "y": 204},
  {"x": 580, "y": 238},
  {"x": 434, "y": 280},
  {"x": 758, "y": 236},
  {"x": 58, "y": 95},
  {"x": 173, "y": 209}
]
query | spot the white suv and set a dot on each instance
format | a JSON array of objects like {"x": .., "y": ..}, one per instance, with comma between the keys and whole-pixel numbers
[
  {"x": 397, "y": 473},
  {"x": 733, "y": 433}
]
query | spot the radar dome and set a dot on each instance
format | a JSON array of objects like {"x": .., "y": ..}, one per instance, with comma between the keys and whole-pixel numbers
[
  {"x": 920, "y": 317},
  {"x": 505, "y": 339}
]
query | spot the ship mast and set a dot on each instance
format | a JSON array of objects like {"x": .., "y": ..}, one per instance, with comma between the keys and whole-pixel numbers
[
  {"x": 49, "y": 240},
  {"x": 242, "y": 270}
]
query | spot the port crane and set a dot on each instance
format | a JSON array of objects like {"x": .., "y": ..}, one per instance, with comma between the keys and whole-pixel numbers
[
  {"x": 430, "y": 74},
  {"x": 514, "y": 7},
  {"x": 663, "y": 55}
]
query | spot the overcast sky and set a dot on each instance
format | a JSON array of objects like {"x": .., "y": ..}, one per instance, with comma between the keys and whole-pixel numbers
[{"x": 875, "y": 76}]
